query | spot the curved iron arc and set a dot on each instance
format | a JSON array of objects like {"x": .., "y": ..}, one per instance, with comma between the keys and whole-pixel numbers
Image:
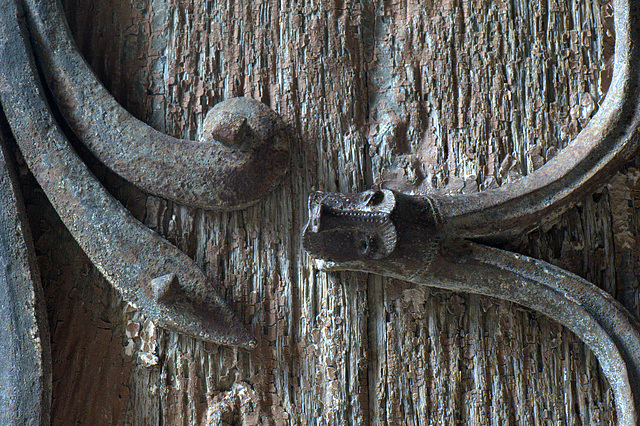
[
  {"x": 606, "y": 143},
  {"x": 602, "y": 323},
  {"x": 150, "y": 273},
  {"x": 218, "y": 172}
]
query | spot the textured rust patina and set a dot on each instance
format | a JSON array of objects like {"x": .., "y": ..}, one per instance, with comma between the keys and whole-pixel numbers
[
  {"x": 428, "y": 239},
  {"x": 402, "y": 236},
  {"x": 242, "y": 155},
  {"x": 151, "y": 274}
]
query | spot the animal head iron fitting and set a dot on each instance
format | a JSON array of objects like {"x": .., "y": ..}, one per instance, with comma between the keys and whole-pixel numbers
[
  {"x": 346, "y": 227},
  {"x": 373, "y": 230}
]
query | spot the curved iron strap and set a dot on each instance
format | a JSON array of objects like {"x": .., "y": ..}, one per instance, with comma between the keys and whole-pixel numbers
[
  {"x": 25, "y": 370},
  {"x": 229, "y": 175},
  {"x": 150, "y": 273},
  {"x": 420, "y": 238}
]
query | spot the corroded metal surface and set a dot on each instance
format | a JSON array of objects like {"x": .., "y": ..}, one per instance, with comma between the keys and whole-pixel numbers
[
  {"x": 225, "y": 172},
  {"x": 420, "y": 238},
  {"x": 132, "y": 257},
  {"x": 25, "y": 370}
]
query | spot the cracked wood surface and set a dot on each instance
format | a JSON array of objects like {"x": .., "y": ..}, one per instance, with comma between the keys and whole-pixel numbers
[{"x": 451, "y": 95}]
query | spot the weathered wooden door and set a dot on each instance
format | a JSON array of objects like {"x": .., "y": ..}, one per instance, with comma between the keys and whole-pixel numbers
[{"x": 453, "y": 95}]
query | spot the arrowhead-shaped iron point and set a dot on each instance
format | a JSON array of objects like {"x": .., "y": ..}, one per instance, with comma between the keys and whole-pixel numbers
[
  {"x": 202, "y": 313},
  {"x": 166, "y": 288}
]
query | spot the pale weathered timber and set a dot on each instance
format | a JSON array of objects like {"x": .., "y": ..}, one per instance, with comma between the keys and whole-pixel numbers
[
  {"x": 443, "y": 92},
  {"x": 404, "y": 237}
]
